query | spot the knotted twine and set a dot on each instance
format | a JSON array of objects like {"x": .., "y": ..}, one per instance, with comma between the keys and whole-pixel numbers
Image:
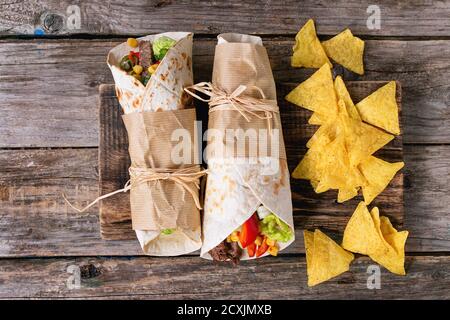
[
  {"x": 188, "y": 178},
  {"x": 246, "y": 105}
]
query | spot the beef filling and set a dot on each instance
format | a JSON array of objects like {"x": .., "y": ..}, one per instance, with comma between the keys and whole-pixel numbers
[
  {"x": 226, "y": 251},
  {"x": 146, "y": 54}
]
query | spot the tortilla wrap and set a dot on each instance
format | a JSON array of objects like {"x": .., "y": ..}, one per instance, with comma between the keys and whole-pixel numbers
[
  {"x": 161, "y": 204},
  {"x": 237, "y": 186}
]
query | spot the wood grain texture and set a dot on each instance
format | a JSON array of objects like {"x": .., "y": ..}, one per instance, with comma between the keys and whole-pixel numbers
[
  {"x": 313, "y": 210},
  {"x": 398, "y": 18},
  {"x": 49, "y": 98},
  {"x": 35, "y": 221},
  {"x": 427, "y": 277},
  {"x": 53, "y": 103}
]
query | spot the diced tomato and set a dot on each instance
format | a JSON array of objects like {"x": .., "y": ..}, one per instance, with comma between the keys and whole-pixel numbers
[
  {"x": 251, "y": 249},
  {"x": 134, "y": 57},
  {"x": 262, "y": 248},
  {"x": 249, "y": 231}
]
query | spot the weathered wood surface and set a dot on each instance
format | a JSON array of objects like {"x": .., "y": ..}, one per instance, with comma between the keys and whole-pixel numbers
[
  {"x": 398, "y": 18},
  {"x": 313, "y": 210},
  {"x": 427, "y": 277},
  {"x": 35, "y": 220},
  {"x": 48, "y": 98},
  {"x": 53, "y": 103}
]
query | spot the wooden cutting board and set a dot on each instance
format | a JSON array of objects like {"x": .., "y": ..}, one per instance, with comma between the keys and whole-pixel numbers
[{"x": 311, "y": 210}]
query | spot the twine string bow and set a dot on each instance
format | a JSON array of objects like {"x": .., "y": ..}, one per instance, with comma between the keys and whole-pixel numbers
[
  {"x": 188, "y": 178},
  {"x": 247, "y": 106}
]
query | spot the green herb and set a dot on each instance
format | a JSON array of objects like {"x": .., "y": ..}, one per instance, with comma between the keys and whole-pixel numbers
[
  {"x": 161, "y": 46},
  {"x": 167, "y": 231}
]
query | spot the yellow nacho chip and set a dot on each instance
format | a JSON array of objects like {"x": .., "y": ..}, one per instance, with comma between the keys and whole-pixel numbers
[
  {"x": 330, "y": 129},
  {"x": 335, "y": 170},
  {"x": 308, "y": 237},
  {"x": 378, "y": 174},
  {"x": 360, "y": 234},
  {"x": 308, "y": 52},
  {"x": 325, "y": 259},
  {"x": 316, "y": 93},
  {"x": 306, "y": 168},
  {"x": 347, "y": 50},
  {"x": 380, "y": 109},
  {"x": 317, "y": 119},
  {"x": 342, "y": 93},
  {"x": 323, "y": 136},
  {"x": 386, "y": 226},
  {"x": 345, "y": 194},
  {"x": 363, "y": 139},
  {"x": 316, "y": 186},
  {"x": 393, "y": 257}
]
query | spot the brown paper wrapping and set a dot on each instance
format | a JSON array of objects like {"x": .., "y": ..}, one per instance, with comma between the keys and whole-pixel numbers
[
  {"x": 161, "y": 204},
  {"x": 237, "y": 63},
  {"x": 230, "y": 119}
]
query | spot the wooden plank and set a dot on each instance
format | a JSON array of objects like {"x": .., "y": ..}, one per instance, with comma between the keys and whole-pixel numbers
[
  {"x": 313, "y": 210},
  {"x": 33, "y": 117},
  {"x": 398, "y": 18},
  {"x": 35, "y": 220},
  {"x": 269, "y": 278}
]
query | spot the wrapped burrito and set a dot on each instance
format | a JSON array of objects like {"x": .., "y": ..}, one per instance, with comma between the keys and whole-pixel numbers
[
  {"x": 248, "y": 206},
  {"x": 150, "y": 75}
]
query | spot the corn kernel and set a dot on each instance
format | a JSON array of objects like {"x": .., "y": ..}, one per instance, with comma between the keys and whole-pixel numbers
[
  {"x": 138, "y": 69},
  {"x": 132, "y": 42},
  {"x": 259, "y": 240},
  {"x": 271, "y": 242},
  {"x": 234, "y": 236},
  {"x": 229, "y": 239},
  {"x": 273, "y": 251},
  {"x": 152, "y": 68}
]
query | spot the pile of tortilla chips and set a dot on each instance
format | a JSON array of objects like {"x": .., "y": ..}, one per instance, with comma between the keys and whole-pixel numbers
[
  {"x": 340, "y": 152},
  {"x": 369, "y": 234},
  {"x": 366, "y": 233},
  {"x": 345, "y": 49}
]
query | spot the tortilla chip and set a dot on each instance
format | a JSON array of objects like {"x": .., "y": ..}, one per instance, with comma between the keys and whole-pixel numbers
[
  {"x": 363, "y": 139},
  {"x": 317, "y": 187},
  {"x": 342, "y": 93},
  {"x": 308, "y": 52},
  {"x": 347, "y": 50},
  {"x": 317, "y": 119},
  {"x": 323, "y": 136},
  {"x": 325, "y": 259},
  {"x": 378, "y": 174},
  {"x": 316, "y": 93},
  {"x": 345, "y": 194},
  {"x": 306, "y": 169},
  {"x": 361, "y": 234},
  {"x": 380, "y": 109},
  {"x": 336, "y": 172},
  {"x": 309, "y": 248},
  {"x": 393, "y": 257},
  {"x": 386, "y": 226}
]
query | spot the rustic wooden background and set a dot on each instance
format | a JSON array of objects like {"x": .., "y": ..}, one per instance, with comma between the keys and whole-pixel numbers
[{"x": 49, "y": 144}]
